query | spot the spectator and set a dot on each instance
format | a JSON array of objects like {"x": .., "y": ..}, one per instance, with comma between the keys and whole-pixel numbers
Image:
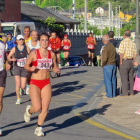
[
  {"x": 128, "y": 52},
  {"x": 114, "y": 42},
  {"x": 108, "y": 62},
  {"x": 10, "y": 41}
]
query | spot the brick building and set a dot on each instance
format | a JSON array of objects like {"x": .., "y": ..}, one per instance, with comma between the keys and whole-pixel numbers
[{"x": 12, "y": 11}]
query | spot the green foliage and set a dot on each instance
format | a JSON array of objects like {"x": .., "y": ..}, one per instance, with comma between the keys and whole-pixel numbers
[
  {"x": 126, "y": 5},
  {"x": 58, "y": 28}
]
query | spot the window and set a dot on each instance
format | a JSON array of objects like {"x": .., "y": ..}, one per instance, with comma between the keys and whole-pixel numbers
[{"x": 7, "y": 29}]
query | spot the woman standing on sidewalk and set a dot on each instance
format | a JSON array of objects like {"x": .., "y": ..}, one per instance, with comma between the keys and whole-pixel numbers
[
  {"x": 20, "y": 52},
  {"x": 66, "y": 43},
  {"x": 40, "y": 87}
]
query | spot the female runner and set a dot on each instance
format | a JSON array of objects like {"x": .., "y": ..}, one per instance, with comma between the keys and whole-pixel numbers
[
  {"x": 40, "y": 87},
  {"x": 66, "y": 43},
  {"x": 20, "y": 53}
]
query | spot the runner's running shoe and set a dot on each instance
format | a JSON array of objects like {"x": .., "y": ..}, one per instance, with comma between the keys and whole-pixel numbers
[
  {"x": 92, "y": 64},
  {"x": 89, "y": 63},
  {"x": 18, "y": 102},
  {"x": 27, "y": 115},
  {"x": 27, "y": 89},
  {"x": 138, "y": 112},
  {"x": 59, "y": 65},
  {"x": 38, "y": 132}
]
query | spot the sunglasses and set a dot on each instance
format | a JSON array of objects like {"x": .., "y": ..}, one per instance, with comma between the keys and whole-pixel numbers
[{"x": 21, "y": 39}]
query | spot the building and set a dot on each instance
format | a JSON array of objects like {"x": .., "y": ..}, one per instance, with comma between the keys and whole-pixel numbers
[
  {"x": 126, "y": 16},
  {"x": 12, "y": 11},
  {"x": 103, "y": 22},
  {"x": 101, "y": 11},
  {"x": 31, "y": 12}
]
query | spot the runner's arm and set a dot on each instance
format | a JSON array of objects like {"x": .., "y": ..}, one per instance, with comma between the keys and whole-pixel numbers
[
  {"x": 29, "y": 60},
  {"x": 62, "y": 43},
  {"x": 70, "y": 43},
  {"x": 11, "y": 54},
  {"x": 95, "y": 43},
  {"x": 54, "y": 66},
  {"x": 87, "y": 41},
  {"x": 28, "y": 50}
]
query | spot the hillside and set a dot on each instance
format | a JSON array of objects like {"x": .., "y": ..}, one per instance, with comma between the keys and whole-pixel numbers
[{"x": 126, "y": 5}]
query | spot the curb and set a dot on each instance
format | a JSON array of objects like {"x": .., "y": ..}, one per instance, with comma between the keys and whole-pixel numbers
[{"x": 91, "y": 100}]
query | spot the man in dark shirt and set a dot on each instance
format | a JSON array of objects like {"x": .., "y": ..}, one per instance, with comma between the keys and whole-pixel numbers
[
  {"x": 108, "y": 62},
  {"x": 114, "y": 42}
]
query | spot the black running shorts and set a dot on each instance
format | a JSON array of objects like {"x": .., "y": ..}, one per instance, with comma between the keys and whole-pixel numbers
[{"x": 3, "y": 75}]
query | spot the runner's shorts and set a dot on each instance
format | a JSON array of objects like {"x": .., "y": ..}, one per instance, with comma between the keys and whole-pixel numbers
[
  {"x": 66, "y": 50},
  {"x": 3, "y": 75},
  {"x": 91, "y": 50},
  {"x": 18, "y": 71}
]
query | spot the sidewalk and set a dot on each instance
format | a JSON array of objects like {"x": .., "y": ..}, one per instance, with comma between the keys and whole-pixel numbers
[{"x": 122, "y": 111}]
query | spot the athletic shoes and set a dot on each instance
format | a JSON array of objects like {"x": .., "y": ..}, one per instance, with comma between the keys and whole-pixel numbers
[
  {"x": 92, "y": 64},
  {"x": 59, "y": 65},
  {"x": 27, "y": 115},
  {"x": 67, "y": 64},
  {"x": 138, "y": 112},
  {"x": 27, "y": 89},
  {"x": 38, "y": 132},
  {"x": 0, "y": 132},
  {"x": 89, "y": 63},
  {"x": 18, "y": 102}
]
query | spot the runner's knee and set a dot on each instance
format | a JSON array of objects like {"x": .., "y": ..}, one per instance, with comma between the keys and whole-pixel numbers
[{"x": 37, "y": 109}]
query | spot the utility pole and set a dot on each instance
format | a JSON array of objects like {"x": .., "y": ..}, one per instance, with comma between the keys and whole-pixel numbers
[
  {"x": 109, "y": 13},
  {"x": 137, "y": 29},
  {"x": 73, "y": 9},
  {"x": 85, "y": 14},
  {"x": 112, "y": 21}
]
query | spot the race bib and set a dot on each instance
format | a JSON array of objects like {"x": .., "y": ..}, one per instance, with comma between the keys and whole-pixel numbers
[
  {"x": 66, "y": 47},
  {"x": 90, "y": 46},
  {"x": 21, "y": 62},
  {"x": 44, "y": 63}
]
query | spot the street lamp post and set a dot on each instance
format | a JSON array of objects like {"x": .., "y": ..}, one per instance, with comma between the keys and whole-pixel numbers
[
  {"x": 85, "y": 14},
  {"x": 137, "y": 29}
]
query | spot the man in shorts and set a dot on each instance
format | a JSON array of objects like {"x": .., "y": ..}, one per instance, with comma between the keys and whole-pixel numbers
[
  {"x": 33, "y": 44},
  {"x": 3, "y": 74}
]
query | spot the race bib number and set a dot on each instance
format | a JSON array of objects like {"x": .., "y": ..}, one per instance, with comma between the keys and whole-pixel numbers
[
  {"x": 66, "y": 47},
  {"x": 44, "y": 63},
  {"x": 90, "y": 46},
  {"x": 21, "y": 62}
]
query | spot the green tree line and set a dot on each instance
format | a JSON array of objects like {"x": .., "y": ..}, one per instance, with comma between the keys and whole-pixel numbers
[{"x": 126, "y": 5}]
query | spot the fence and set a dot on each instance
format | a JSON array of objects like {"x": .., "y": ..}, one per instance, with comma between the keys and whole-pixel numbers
[{"x": 78, "y": 39}]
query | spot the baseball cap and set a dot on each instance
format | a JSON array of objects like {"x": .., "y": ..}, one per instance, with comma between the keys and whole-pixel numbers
[
  {"x": 20, "y": 37},
  {"x": 65, "y": 35},
  {"x": 9, "y": 33}
]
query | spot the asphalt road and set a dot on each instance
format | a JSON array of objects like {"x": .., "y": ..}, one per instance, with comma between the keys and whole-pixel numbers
[{"x": 61, "y": 123}]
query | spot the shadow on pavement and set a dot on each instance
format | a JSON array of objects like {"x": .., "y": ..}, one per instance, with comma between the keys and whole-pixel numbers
[
  {"x": 58, "y": 112},
  {"x": 10, "y": 95},
  {"x": 73, "y": 73},
  {"x": 70, "y": 67},
  {"x": 66, "y": 87}
]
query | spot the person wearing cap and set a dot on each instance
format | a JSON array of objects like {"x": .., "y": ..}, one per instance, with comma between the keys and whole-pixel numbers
[
  {"x": 91, "y": 42},
  {"x": 20, "y": 52},
  {"x": 66, "y": 44},
  {"x": 10, "y": 41}
]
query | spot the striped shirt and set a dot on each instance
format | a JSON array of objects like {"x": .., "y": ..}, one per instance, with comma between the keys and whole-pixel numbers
[{"x": 128, "y": 48}]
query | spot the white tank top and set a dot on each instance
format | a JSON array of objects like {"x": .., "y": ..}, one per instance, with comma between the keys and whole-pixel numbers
[
  {"x": 32, "y": 48},
  {"x": 2, "y": 56}
]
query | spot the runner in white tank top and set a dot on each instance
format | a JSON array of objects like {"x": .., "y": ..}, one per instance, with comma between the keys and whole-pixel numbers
[{"x": 33, "y": 44}]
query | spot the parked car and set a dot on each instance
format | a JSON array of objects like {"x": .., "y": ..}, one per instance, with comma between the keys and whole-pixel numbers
[{"x": 76, "y": 61}]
